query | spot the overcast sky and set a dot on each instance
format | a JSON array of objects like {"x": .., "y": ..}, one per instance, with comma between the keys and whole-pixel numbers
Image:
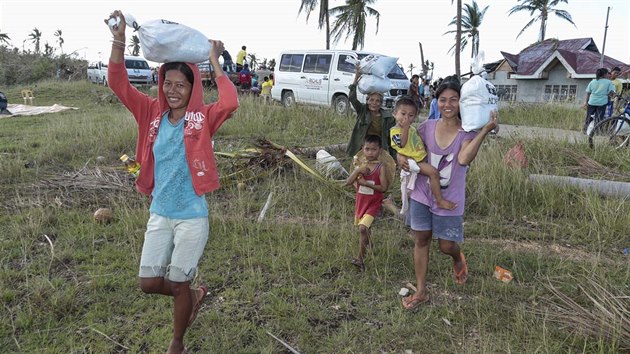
[{"x": 267, "y": 27}]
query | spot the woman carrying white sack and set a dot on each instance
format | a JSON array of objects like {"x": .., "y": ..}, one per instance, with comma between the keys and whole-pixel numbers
[{"x": 177, "y": 168}]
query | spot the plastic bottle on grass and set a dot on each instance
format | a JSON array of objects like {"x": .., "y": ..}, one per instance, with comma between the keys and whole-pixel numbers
[{"x": 132, "y": 165}]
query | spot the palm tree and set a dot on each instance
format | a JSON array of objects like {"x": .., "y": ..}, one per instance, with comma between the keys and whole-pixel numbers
[
  {"x": 48, "y": 50},
  {"x": 352, "y": 19},
  {"x": 471, "y": 21},
  {"x": 35, "y": 37},
  {"x": 59, "y": 40},
  {"x": 271, "y": 64},
  {"x": 4, "y": 38},
  {"x": 308, "y": 6},
  {"x": 253, "y": 61},
  {"x": 134, "y": 45},
  {"x": 458, "y": 37},
  {"x": 545, "y": 7},
  {"x": 411, "y": 67}
]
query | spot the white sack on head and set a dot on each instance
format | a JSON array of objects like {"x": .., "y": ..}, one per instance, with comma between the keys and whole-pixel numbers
[
  {"x": 477, "y": 99},
  {"x": 370, "y": 83},
  {"x": 164, "y": 41},
  {"x": 373, "y": 64}
]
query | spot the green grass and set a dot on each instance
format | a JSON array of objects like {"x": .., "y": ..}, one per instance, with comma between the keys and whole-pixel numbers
[
  {"x": 290, "y": 275},
  {"x": 549, "y": 115}
]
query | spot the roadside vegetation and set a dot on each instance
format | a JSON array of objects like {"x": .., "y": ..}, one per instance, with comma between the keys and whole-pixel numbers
[{"x": 68, "y": 284}]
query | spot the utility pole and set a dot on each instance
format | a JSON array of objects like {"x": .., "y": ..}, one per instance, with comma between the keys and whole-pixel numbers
[{"x": 601, "y": 58}]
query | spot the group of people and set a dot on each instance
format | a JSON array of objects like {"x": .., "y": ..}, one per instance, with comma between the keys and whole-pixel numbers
[
  {"x": 434, "y": 158},
  {"x": 175, "y": 132},
  {"x": 601, "y": 95}
]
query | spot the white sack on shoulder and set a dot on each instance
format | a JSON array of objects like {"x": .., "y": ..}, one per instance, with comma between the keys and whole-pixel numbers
[
  {"x": 478, "y": 98},
  {"x": 370, "y": 83},
  {"x": 164, "y": 41}
]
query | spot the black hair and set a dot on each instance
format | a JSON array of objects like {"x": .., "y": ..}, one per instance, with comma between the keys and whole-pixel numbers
[
  {"x": 449, "y": 82},
  {"x": 243, "y": 47},
  {"x": 616, "y": 68},
  {"x": 373, "y": 139},
  {"x": 601, "y": 72},
  {"x": 266, "y": 78},
  {"x": 181, "y": 67},
  {"x": 415, "y": 76},
  {"x": 405, "y": 101}
]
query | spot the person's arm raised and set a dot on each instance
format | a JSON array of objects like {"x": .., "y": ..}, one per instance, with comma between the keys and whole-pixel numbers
[{"x": 118, "y": 31}]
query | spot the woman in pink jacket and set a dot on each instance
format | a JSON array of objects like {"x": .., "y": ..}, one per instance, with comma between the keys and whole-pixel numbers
[{"x": 175, "y": 152}]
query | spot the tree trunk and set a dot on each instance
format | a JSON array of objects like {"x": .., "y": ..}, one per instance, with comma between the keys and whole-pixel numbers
[
  {"x": 458, "y": 40},
  {"x": 425, "y": 70},
  {"x": 327, "y": 30},
  {"x": 543, "y": 26}
]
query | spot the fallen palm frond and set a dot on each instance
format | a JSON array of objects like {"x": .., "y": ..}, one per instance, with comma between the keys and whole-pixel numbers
[
  {"x": 588, "y": 167},
  {"x": 596, "y": 311}
]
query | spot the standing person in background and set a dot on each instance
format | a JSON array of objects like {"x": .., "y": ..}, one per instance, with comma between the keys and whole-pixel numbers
[
  {"x": 414, "y": 90},
  {"x": 598, "y": 91},
  {"x": 451, "y": 150},
  {"x": 265, "y": 90},
  {"x": 245, "y": 79},
  {"x": 427, "y": 90},
  {"x": 240, "y": 58},
  {"x": 177, "y": 162},
  {"x": 615, "y": 73}
]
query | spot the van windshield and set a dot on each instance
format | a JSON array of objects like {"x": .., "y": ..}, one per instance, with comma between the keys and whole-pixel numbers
[
  {"x": 396, "y": 72},
  {"x": 136, "y": 64}
]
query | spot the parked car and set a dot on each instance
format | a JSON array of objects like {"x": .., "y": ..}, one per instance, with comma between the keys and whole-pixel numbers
[
  {"x": 322, "y": 77},
  {"x": 138, "y": 70},
  {"x": 97, "y": 73}
]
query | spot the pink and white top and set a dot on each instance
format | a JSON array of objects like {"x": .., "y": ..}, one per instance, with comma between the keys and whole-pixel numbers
[{"x": 452, "y": 174}]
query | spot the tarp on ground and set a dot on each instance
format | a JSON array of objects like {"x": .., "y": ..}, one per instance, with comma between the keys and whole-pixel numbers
[{"x": 26, "y": 110}]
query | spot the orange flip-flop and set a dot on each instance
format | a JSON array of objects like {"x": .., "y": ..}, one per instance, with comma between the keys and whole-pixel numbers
[
  {"x": 462, "y": 275},
  {"x": 411, "y": 302},
  {"x": 195, "y": 310}
]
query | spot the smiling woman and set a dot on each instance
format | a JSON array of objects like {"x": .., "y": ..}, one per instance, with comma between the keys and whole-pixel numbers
[{"x": 177, "y": 168}]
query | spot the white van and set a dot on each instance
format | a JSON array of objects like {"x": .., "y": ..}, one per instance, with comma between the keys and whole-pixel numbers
[
  {"x": 138, "y": 70},
  {"x": 322, "y": 77}
]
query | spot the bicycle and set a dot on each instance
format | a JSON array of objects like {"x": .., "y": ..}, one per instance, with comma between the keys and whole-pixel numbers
[{"x": 613, "y": 132}]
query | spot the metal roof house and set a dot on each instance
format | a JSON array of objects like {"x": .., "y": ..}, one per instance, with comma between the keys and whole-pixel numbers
[{"x": 551, "y": 70}]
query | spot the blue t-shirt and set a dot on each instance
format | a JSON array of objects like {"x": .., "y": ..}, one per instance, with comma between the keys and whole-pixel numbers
[
  {"x": 434, "y": 112},
  {"x": 173, "y": 194},
  {"x": 599, "y": 90}
]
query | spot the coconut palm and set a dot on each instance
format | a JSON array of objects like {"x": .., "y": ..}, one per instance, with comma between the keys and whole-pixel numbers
[
  {"x": 271, "y": 64},
  {"x": 545, "y": 7},
  {"x": 59, "y": 39},
  {"x": 351, "y": 21},
  {"x": 458, "y": 37},
  {"x": 134, "y": 45},
  {"x": 4, "y": 38},
  {"x": 410, "y": 70},
  {"x": 253, "y": 61},
  {"x": 308, "y": 6},
  {"x": 48, "y": 50},
  {"x": 35, "y": 38},
  {"x": 471, "y": 21}
]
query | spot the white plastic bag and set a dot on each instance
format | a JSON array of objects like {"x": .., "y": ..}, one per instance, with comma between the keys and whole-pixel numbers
[
  {"x": 164, "y": 41},
  {"x": 371, "y": 83},
  {"x": 373, "y": 64},
  {"x": 478, "y": 98},
  {"x": 329, "y": 165}
]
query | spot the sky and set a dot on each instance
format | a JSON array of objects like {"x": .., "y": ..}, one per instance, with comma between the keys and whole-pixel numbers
[{"x": 268, "y": 27}]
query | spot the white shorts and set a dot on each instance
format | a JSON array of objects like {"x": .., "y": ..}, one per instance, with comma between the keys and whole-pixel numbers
[{"x": 172, "y": 247}]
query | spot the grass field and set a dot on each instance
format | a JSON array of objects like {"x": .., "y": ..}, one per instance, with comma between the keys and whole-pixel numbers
[{"x": 68, "y": 284}]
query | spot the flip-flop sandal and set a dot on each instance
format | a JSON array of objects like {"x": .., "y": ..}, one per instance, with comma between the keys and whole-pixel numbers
[
  {"x": 462, "y": 275},
  {"x": 197, "y": 307},
  {"x": 412, "y": 302},
  {"x": 357, "y": 263}
]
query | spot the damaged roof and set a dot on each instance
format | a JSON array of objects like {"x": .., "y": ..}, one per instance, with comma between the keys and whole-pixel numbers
[{"x": 581, "y": 55}]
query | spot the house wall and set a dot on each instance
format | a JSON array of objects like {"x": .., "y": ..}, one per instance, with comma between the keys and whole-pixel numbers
[{"x": 533, "y": 90}]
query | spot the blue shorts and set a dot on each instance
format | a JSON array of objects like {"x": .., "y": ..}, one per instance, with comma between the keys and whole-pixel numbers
[
  {"x": 450, "y": 228},
  {"x": 172, "y": 247}
]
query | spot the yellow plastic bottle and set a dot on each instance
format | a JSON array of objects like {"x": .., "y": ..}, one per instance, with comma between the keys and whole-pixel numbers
[{"x": 132, "y": 165}]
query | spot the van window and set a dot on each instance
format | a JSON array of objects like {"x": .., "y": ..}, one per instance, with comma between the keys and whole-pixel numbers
[
  {"x": 317, "y": 63},
  {"x": 344, "y": 66},
  {"x": 291, "y": 62},
  {"x": 136, "y": 64}
]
